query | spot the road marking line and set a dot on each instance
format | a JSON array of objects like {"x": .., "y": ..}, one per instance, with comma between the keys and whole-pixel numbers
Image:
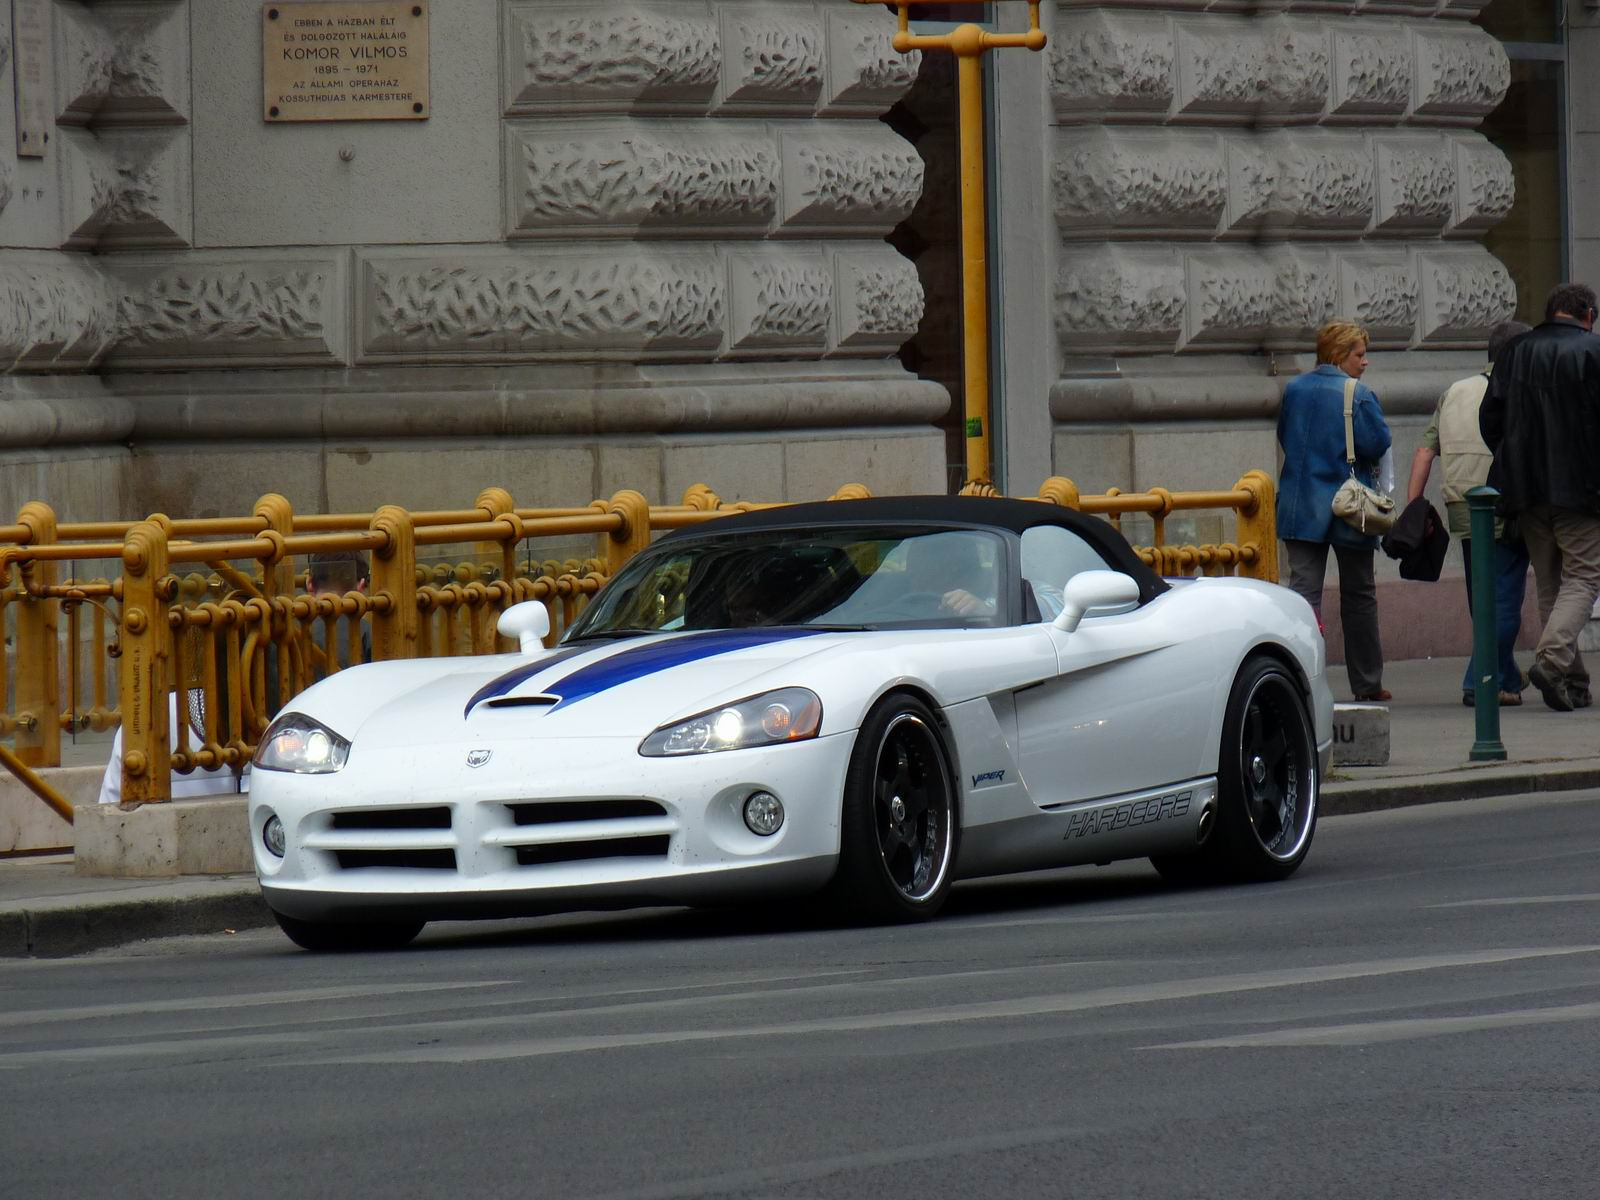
[
  {"x": 1580, "y": 898},
  {"x": 45, "y": 1016},
  {"x": 1393, "y": 1031},
  {"x": 856, "y": 986},
  {"x": 991, "y": 1010}
]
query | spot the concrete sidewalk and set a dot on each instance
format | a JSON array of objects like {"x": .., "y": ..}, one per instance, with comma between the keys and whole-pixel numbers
[{"x": 47, "y": 911}]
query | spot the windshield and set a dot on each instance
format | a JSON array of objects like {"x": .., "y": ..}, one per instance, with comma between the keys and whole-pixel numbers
[{"x": 855, "y": 578}]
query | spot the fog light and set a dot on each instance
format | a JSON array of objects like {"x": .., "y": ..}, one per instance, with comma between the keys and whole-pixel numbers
[
  {"x": 273, "y": 838},
  {"x": 763, "y": 813}
]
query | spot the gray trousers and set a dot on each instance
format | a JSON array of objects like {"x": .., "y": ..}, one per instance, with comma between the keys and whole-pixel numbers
[
  {"x": 1358, "y": 606},
  {"x": 1564, "y": 548}
]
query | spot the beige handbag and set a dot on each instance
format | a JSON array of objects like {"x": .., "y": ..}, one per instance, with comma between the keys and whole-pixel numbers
[{"x": 1355, "y": 503}]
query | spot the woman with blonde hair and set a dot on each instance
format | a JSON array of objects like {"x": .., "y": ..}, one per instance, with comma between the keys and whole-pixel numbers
[{"x": 1311, "y": 433}]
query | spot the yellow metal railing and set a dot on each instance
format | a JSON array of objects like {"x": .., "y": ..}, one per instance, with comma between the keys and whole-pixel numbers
[
  {"x": 215, "y": 608},
  {"x": 1252, "y": 553}
]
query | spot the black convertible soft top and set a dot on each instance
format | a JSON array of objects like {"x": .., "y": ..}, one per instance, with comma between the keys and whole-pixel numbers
[{"x": 1014, "y": 516}]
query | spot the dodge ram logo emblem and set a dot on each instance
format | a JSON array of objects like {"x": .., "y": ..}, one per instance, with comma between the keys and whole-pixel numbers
[{"x": 476, "y": 758}]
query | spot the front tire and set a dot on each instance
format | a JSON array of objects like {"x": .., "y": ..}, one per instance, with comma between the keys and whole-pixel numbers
[
  {"x": 345, "y": 937},
  {"x": 1267, "y": 785},
  {"x": 900, "y": 823}
]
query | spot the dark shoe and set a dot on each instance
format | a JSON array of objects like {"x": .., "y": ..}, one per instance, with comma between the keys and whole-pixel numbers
[
  {"x": 1381, "y": 696},
  {"x": 1469, "y": 699},
  {"x": 1579, "y": 692},
  {"x": 1551, "y": 686}
]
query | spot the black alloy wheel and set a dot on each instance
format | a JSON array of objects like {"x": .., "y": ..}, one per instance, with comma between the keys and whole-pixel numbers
[
  {"x": 900, "y": 820},
  {"x": 1267, "y": 784}
]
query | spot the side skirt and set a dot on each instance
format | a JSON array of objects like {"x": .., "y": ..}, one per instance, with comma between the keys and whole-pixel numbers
[{"x": 1159, "y": 821}]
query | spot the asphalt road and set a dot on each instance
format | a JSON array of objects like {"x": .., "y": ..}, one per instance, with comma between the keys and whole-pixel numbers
[{"x": 1415, "y": 1014}]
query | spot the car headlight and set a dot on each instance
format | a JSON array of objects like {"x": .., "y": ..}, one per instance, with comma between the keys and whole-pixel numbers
[
  {"x": 786, "y": 715},
  {"x": 295, "y": 742}
]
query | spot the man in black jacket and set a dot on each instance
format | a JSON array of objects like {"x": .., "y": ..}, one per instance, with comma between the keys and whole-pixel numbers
[{"x": 1541, "y": 418}]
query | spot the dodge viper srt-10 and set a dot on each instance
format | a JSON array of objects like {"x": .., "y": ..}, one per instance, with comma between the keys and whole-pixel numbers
[{"x": 868, "y": 699}]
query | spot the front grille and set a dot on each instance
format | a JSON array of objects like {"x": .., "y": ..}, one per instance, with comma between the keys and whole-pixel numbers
[
  {"x": 556, "y": 811},
  {"x": 566, "y": 852},
  {"x": 394, "y": 818},
  {"x": 416, "y": 860}
]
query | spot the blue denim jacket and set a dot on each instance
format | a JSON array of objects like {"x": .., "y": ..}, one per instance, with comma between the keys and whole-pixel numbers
[{"x": 1311, "y": 432}]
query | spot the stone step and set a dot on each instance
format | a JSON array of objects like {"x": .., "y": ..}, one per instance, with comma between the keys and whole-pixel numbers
[{"x": 1360, "y": 735}]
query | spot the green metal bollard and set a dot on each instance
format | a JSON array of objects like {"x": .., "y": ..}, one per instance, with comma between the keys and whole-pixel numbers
[{"x": 1485, "y": 648}]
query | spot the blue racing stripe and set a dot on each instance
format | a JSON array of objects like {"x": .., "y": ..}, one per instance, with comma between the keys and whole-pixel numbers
[
  {"x": 661, "y": 656},
  {"x": 502, "y": 684}
]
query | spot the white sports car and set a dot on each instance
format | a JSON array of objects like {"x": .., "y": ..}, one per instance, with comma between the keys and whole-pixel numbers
[{"x": 871, "y": 698}]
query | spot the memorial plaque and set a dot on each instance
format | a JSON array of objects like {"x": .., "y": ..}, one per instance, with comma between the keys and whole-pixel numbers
[
  {"x": 361, "y": 60},
  {"x": 30, "y": 40}
]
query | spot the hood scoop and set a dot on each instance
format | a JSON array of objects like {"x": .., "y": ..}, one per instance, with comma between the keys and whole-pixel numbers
[{"x": 523, "y": 702}]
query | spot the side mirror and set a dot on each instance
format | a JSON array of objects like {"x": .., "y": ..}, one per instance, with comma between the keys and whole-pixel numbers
[
  {"x": 528, "y": 622},
  {"x": 1095, "y": 589}
]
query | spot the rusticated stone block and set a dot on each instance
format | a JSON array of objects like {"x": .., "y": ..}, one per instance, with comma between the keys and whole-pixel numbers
[
  {"x": 126, "y": 188},
  {"x": 1371, "y": 69},
  {"x": 1465, "y": 291},
  {"x": 879, "y": 298},
  {"x": 123, "y": 63},
  {"x": 1305, "y": 295},
  {"x": 623, "y": 57},
  {"x": 1300, "y": 182},
  {"x": 1225, "y": 69},
  {"x": 1138, "y": 181},
  {"x": 460, "y": 304},
  {"x": 772, "y": 59},
  {"x": 623, "y": 177},
  {"x": 1462, "y": 74},
  {"x": 779, "y": 297},
  {"x": 1378, "y": 288},
  {"x": 865, "y": 177},
  {"x": 1108, "y": 65},
  {"x": 1231, "y": 298},
  {"x": 1298, "y": 58},
  {"x": 866, "y": 74},
  {"x": 1112, "y": 299},
  {"x": 1485, "y": 186},
  {"x": 1416, "y": 183},
  {"x": 231, "y": 308},
  {"x": 58, "y": 312}
]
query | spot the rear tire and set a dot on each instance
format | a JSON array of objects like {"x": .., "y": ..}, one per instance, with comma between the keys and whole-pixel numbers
[
  {"x": 900, "y": 824},
  {"x": 345, "y": 937},
  {"x": 1267, "y": 785}
]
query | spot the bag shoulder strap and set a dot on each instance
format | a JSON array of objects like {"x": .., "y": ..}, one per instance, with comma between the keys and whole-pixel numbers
[{"x": 1349, "y": 428}]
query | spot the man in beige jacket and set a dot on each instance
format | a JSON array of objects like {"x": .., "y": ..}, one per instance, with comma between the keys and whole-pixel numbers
[{"x": 1453, "y": 436}]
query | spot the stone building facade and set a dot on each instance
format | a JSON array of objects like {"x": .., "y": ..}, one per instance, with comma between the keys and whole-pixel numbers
[
  {"x": 634, "y": 244},
  {"x": 647, "y": 242}
]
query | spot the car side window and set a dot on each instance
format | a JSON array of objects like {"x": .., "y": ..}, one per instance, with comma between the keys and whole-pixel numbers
[{"x": 1052, "y": 555}]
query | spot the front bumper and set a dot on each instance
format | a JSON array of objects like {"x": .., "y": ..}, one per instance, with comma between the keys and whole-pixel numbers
[{"x": 544, "y": 826}]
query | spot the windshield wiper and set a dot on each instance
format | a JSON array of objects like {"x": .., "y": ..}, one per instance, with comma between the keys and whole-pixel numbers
[{"x": 599, "y": 635}]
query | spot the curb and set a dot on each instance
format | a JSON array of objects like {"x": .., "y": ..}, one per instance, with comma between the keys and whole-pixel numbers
[
  {"x": 62, "y": 929},
  {"x": 59, "y": 927},
  {"x": 1474, "y": 783}
]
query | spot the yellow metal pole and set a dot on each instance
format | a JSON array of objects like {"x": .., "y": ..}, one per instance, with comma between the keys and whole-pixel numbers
[
  {"x": 969, "y": 43},
  {"x": 38, "y": 695},
  {"x": 974, "y": 254},
  {"x": 36, "y": 785},
  {"x": 146, "y": 654}
]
